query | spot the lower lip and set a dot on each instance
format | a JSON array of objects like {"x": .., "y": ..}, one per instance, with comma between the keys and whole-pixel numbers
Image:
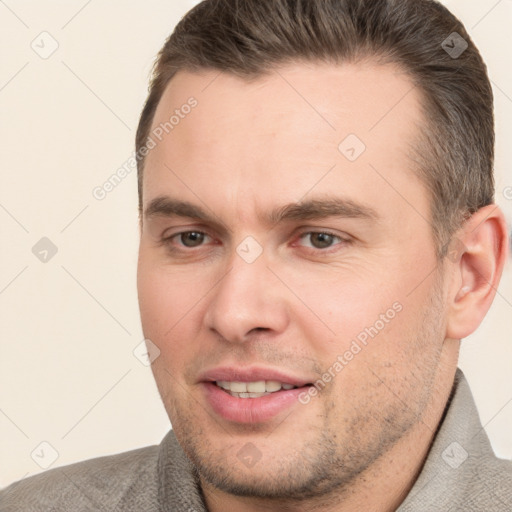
[{"x": 250, "y": 410}]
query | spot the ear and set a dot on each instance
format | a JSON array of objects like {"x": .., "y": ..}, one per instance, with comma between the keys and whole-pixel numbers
[{"x": 477, "y": 254}]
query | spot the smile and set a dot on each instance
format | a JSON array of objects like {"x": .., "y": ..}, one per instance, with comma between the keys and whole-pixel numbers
[{"x": 255, "y": 389}]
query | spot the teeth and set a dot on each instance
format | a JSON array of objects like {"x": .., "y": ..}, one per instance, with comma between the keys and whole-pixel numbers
[
  {"x": 255, "y": 387},
  {"x": 238, "y": 387},
  {"x": 272, "y": 385},
  {"x": 248, "y": 389},
  {"x": 248, "y": 395}
]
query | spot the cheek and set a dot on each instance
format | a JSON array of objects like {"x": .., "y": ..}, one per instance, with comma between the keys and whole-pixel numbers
[
  {"x": 165, "y": 294},
  {"x": 366, "y": 320},
  {"x": 154, "y": 300},
  {"x": 170, "y": 307},
  {"x": 346, "y": 304},
  {"x": 159, "y": 308}
]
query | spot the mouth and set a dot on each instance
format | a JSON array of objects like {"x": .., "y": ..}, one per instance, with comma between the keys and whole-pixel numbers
[
  {"x": 255, "y": 389},
  {"x": 252, "y": 402}
]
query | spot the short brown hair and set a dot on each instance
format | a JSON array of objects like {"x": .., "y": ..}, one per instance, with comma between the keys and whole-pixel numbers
[{"x": 454, "y": 153}]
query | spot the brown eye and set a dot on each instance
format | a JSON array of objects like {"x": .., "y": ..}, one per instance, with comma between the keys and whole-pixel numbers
[
  {"x": 320, "y": 240},
  {"x": 192, "y": 238}
]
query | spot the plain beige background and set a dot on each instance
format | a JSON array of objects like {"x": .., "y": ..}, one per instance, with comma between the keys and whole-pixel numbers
[{"x": 69, "y": 378}]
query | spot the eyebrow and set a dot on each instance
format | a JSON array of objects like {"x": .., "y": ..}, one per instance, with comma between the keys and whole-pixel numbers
[{"x": 314, "y": 209}]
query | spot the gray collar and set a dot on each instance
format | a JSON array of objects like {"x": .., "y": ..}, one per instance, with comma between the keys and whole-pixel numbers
[{"x": 453, "y": 461}]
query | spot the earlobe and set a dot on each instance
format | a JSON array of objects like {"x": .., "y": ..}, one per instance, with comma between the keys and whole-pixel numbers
[{"x": 483, "y": 246}]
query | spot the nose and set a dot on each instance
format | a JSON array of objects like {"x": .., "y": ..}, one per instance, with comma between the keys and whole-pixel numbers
[{"x": 246, "y": 301}]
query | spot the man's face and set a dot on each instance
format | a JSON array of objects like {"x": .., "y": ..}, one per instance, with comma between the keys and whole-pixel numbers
[{"x": 347, "y": 296}]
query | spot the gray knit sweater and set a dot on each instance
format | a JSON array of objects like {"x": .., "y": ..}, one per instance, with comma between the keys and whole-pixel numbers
[{"x": 461, "y": 473}]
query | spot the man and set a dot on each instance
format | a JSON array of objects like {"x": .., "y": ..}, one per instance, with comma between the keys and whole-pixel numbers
[{"x": 318, "y": 233}]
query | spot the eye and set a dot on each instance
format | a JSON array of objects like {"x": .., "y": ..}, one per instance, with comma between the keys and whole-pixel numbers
[
  {"x": 189, "y": 238},
  {"x": 321, "y": 239}
]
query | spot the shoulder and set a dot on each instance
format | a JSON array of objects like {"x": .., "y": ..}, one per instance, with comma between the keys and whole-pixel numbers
[
  {"x": 490, "y": 485},
  {"x": 101, "y": 483},
  {"x": 461, "y": 471},
  {"x": 486, "y": 479}
]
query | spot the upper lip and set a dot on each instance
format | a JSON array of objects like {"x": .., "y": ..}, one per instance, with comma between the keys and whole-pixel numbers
[{"x": 250, "y": 374}]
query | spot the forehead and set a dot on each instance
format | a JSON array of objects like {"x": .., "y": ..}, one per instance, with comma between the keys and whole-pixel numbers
[{"x": 278, "y": 137}]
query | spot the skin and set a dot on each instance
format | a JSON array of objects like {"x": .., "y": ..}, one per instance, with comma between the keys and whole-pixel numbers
[{"x": 247, "y": 148}]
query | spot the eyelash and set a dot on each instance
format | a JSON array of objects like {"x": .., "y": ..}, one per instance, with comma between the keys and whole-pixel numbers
[{"x": 168, "y": 240}]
